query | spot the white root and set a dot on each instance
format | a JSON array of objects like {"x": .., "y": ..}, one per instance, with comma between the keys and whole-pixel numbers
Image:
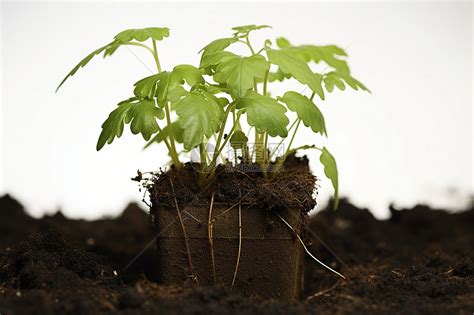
[
  {"x": 308, "y": 252},
  {"x": 240, "y": 245}
]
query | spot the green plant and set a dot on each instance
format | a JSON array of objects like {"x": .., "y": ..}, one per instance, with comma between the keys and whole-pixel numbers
[{"x": 210, "y": 100}]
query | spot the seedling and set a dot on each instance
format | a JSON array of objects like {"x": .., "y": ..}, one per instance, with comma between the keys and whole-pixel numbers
[{"x": 212, "y": 101}]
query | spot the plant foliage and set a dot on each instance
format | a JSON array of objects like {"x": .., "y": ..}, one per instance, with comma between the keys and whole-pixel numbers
[{"x": 189, "y": 106}]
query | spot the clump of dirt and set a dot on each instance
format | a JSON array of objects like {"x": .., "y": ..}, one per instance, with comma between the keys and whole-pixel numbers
[
  {"x": 34, "y": 263},
  {"x": 292, "y": 188},
  {"x": 420, "y": 261}
]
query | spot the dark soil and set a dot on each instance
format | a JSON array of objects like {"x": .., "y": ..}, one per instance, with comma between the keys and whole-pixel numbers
[
  {"x": 293, "y": 188},
  {"x": 421, "y": 261}
]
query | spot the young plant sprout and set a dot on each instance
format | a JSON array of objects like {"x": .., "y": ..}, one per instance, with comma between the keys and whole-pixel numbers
[{"x": 212, "y": 101}]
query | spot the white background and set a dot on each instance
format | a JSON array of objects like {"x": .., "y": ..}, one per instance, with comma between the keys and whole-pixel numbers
[{"x": 409, "y": 141}]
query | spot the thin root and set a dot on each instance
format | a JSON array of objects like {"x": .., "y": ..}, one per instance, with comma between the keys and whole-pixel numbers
[
  {"x": 308, "y": 252},
  {"x": 211, "y": 242},
  {"x": 190, "y": 260},
  {"x": 240, "y": 245}
]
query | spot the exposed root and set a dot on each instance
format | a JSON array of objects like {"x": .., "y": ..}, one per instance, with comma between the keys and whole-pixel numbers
[
  {"x": 308, "y": 252},
  {"x": 240, "y": 244},
  {"x": 239, "y": 203},
  {"x": 190, "y": 259},
  {"x": 211, "y": 242},
  {"x": 326, "y": 246}
]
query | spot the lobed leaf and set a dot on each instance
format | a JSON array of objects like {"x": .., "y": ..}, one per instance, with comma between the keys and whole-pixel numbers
[
  {"x": 264, "y": 113},
  {"x": 83, "y": 63},
  {"x": 142, "y": 34},
  {"x": 146, "y": 87},
  {"x": 306, "y": 110},
  {"x": 330, "y": 169},
  {"x": 166, "y": 86},
  {"x": 292, "y": 63},
  {"x": 329, "y": 54},
  {"x": 240, "y": 73},
  {"x": 188, "y": 73},
  {"x": 278, "y": 76},
  {"x": 216, "y": 46},
  {"x": 156, "y": 33},
  {"x": 164, "y": 133},
  {"x": 199, "y": 114},
  {"x": 331, "y": 80},
  {"x": 245, "y": 29},
  {"x": 216, "y": 58},
  {"x": 351, "y": 81},
  {"x": 113, "y": 125},
  {"x": 143, "y": 115}
]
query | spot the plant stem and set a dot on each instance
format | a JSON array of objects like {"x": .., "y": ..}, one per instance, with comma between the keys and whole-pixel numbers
[
  {"x": 259, "y": 156},
  {"x": 293, "y": 137},
  {"x": 265, "y": 82},
  {"x": 171, "y": 135},
  {"x": 228, "y": 137},
  {"x": 202, "y": 154},
  {"x": 283, "y": 139},
  {"x": 155, "y": 55},
  {"x": 265, "y": 151},
  {"x": 280, "y": 161},
  {"x": 305, "y": 147},
  {"x": 173, "y": 154},
  {"x": 221, "y": 134},
  {"x": 172, "y": 147},
  {"x": 250, "y": 45},
  {"x": 312, "y": 95},
  {"x": 138, "y": 45}
]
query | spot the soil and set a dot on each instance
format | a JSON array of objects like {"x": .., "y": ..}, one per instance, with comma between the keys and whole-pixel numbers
[
  {"x": 233, "y": 214},
  {"x": 420, "y": 261},
  {"x": 293, "y": 188}
]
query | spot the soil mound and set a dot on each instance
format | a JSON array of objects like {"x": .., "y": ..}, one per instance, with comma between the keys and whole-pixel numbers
[
  {"x": 293, "y": 188},
  {"x": 418, "y": 262}
]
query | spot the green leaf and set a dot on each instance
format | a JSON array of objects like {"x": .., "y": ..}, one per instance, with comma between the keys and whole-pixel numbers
[
  {"x": 141, "y": 35},
  {"x": 293, "y": 64},
  {"x": 330, "y": 54},
  {"x": 351, "y": 81},
  {"x": 166, "y": 86},
  {"x": 330, "y": 169},
  {"x": 283, "y": 42},
  {"x": 146, "y": 87},
  {"x": 238, "y": 140},
  {"x": 264, "y": 113},
  {"x": 177, "y": 133},
  {"x": 278, "y": 76},
  {"x": 188, "y": 73},
  {"x": 216, "y": 58},
  {"x": 176, "y": 92},
  {"x": 83, "y": 63},
  {"x": 113, "y": 125},
  {"x": 143, "y": 115},
  {"x": 245, "y": 29},
  {"x": 306, "y": 110},
  {"x": 199, "y": 115},
  {"x": 331, "y": 80},
  {"x": 240, "y": 72},
  {"x": 163, "y": 87},
  {"x": 217, "y": 45},
  {"x": 156, "y": 33}
]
